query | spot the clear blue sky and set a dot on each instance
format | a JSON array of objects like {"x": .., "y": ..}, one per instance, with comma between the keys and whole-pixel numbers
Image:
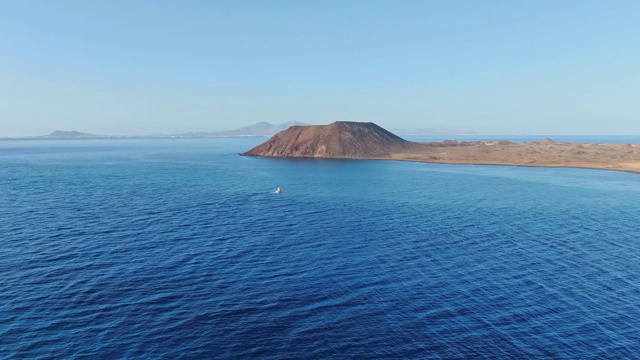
[{"x": 142, "y": 67}]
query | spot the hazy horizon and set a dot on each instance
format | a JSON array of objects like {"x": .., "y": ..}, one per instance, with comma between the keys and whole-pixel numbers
[
  {"x": 398, "y": 131},
  {"x": 495, "y": 67}
]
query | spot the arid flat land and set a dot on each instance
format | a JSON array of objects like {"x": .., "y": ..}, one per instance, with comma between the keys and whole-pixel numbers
[{"x": 621, "y": 157}]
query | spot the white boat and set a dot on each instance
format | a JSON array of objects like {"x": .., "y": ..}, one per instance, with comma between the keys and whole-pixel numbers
[{"x": 278, "y": 190}]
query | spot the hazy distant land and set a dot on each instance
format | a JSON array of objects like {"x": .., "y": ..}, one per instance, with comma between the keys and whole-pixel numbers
[
  {"x": 259, "y": 129},
  {"x": 351, "y": 140}
]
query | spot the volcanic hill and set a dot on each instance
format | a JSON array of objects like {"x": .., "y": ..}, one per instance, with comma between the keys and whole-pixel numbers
[
  {"x": 352, "y": 140},
  {"x": 337, "y": 140}
]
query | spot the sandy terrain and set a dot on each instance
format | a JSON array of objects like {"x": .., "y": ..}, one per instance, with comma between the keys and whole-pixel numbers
[{"x": 622, "y": 157}]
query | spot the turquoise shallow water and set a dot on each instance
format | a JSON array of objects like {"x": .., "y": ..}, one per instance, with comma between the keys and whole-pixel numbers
[{"x": 179, "y": 248}]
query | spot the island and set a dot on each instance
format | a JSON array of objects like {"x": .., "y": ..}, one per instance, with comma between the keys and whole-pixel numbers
[{"x": 356, "y": 140}]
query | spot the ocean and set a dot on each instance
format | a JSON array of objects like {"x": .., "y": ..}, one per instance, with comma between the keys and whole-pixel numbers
[{"x": 178, "y": 248}]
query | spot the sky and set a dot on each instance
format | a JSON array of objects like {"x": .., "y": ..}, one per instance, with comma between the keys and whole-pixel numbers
[{"x": 118, "y": 67}]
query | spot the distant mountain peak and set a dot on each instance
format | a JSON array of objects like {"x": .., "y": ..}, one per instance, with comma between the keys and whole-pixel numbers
[
  {"x": 258, "y": 129},
  {"x": 69, "y": 134}
]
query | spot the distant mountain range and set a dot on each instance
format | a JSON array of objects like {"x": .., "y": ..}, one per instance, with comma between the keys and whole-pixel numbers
[
  {"x": 425, "y": 131},
  {"x": 259, "y": 129},
  {"x": 70, "y": 135}
]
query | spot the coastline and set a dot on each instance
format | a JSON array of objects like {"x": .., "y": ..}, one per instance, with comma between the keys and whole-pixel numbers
[
  {"x": 546, "y": 153},
  {"x": 559, "y": 166},
  {"x": 586, "y": 167}
]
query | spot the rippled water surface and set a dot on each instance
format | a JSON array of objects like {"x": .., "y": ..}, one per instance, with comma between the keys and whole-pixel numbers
[{"x": 179, "y": 248}]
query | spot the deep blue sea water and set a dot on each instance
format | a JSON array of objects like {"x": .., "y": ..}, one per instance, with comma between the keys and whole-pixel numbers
[{"x": 179, "y": 249}]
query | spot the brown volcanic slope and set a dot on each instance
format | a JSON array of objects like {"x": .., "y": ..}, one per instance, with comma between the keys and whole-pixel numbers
[
  {"x": 351, "y": 140},
  {"x": 337, "y": 140}
]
